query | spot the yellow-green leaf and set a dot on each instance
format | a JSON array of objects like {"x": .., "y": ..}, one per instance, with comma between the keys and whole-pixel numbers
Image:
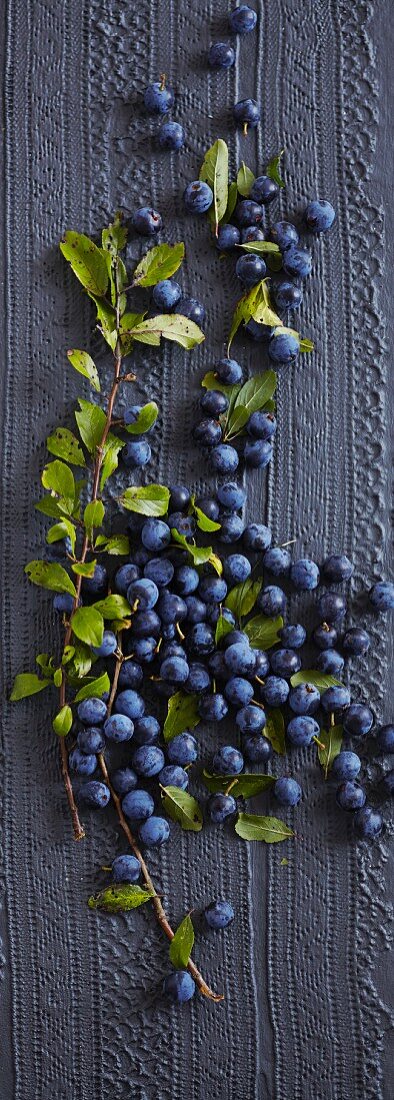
[{"x": 87, "y": 261}]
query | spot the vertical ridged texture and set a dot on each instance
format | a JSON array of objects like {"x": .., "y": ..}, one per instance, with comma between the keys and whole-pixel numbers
[{"x": 302, "y": 1018}]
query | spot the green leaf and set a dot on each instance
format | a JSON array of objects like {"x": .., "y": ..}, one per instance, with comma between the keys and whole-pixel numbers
[
  {"x": 200, "y": 554},
  {"x": 231, "y": 202},
  {"x": 113, "y": 607},
  {"x": 214, "y": 171},
  {"x": 223, "y": 627},
  {"x": 270, "y": 829},
  {"x": 171, "y": 326},
  {"x": 236, "y": 421},
  {"x": 112, "y": 447},
  {"x": 273, "y": 169},
  {"x": 263, "y": 311},
  {"x": 216, "y": 563},
  {"x": 332, "y": 740},
  {"x": 114, "y": 238},
  {"x": 242, "y": 786},
  {"x": 182, "y": 945},
  {"x": 49, "y": 506},
  {"x": 245, "y": 180},
  {"x": 183, "y": 808},
  {"x": 263, "y": 632},
  {"x": 147, "y": 416},
  {"x": 27, "y": 683},
  {"x": 84, "y": 568},
  {"x": 320, "y": 680},
  {"x": 284, "y": 862},
  {"x": 91, "y": 422},
  {"x": 246, "y": 308},
  {"x": 306, "y": 345},
  {"x": 60, "y": 531},
  {"x": 93, "y": 516},
  {"x": 68, "y": 654},
  {"x": 203, "y": 522},
  {"x": 64, "y": 444},
  {"x": 259, "y": 246},
  {"x": 87, "y": 262},
  {"x": 148, "y": 500},
  {"x": 96, "y": 688},
  {"x": 274, "y": 730},
  {"x": 83, "y": 363},
  {"x": 120, "y": 898},
  {"x": 212, "y": 382},
  {"x": 46, "y": 664},
  {"x": 255, "y": 393},
  {"x": 242, "y": 597},
  {"x": 58, "y": 477},
  {"x": 88, "y": 625},
  {"x": 63, "y": 721},
  {"x": 182, "y": 714},
  {"x": 160, "y": 262},
  {"x": 81, "y": 662},
  {"x": 106, "y": 317},
  {"x": 115, "y": 544},
  {"x": 53, "y": 577}
]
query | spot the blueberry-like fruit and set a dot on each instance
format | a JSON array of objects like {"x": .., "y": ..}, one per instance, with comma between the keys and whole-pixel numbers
[
  {"x": 304, "y": 575},
  {"x": 221, "y": 55},
  {"x": 118, "y": 728},
  {"x": 179, "y": 987},
  {"x": 182, "y": 749},
  {"x": 154, "y": 831},
  {"x": 124, "y": 780},
  {"x": 356, "y": 642},
  {"x": 358, "y": 720},
  {"x": 108, "y": 645},
  {"x": 166, "y": 294},
  {"x": 192, "y": 309},
  {"x": 335, "y": 698},
  {"x": 350, "y": 795},
  {"x": 219, "y": 914},
  {"x": 246, "y": 113},
  {"x": 224, "y": 459},
  {"x": 129, "y": 702},
  {"x": 174, "y": 776},
  {"x": 287, "y": 791},
  {"x": 297, "y": 261},
  {"x": 250, "y": 269},
  {"x": 256, "y": 749},
  {"x": 284, "y": 234},
  {"x": 271, "y": 600},
  {"x": 248, "y": 213},
  {"x": 95, "y": 794},
  {"x": 285, "y": 662},
  {"x": 331, "y": 607},
  {"x": 227, "y": 761},
  {"x": 82, "y": 763},
  {"x": 138, "y": 805},
  {"x": 158, "y": 98},
  {"x": 126, "y": 868},
  {"x": 288, "y": 295},
  {"x": 147, "y": 221},
  {"x": 337, "y": 568},
  {"x": 220, "y": 807},
  {"x": 148, "y": 760},
  {"x": 381, "y": 596},
  {"x": 346, "y": 765},
  {"x": 257, "y": 453},
  {"x": 277, "y": 560},
  {"x": 231, "y": 496},
  {"x": 198, "y": 197},
  {"x": 136, "y": 454},
  {"x": 293, "y": 635},
  {"x": 385, "y": 739},
  {"x": 275, "y": 691},
  {"x": 228, "y": 237},
  {"x": 257, "y": 536},
  {"x": 368, "y": 823},
  {"x": 92, "y": 712},
  {"x": 330, "y": 661},
  {"x": 171, "y": 136},
  {"x": 229, "y": 371},
  {"x": 212, "y": 707},
  {"x": 283, "y": 348},
  {"x": 304, "y": 699},
  {"x": 261, "y": 425},
  {"x": 91, "y": 740},
  {"x": 302, "y": 730},
  {"x": 319, "y": 215},
  {"x": 264, "y": 190}
]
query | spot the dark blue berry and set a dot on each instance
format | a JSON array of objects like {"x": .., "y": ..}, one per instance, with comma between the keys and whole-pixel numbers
[
  {"x": 385, "y": 739},
  {"x": 368, "y": 823},
  {"x": 297, "y": 261},
  {"x": 136, "y": 453},
  {"x": 158, "y": 98},
  {"x": 220, "y": 807},
  {"x": 271, "y": 601},
  {"x": 229, "y": 371},
  {"x": 350, "y": 796},
  {"x": 283, "y": 348},
  {"x": 288, "y": 296},
  {"x": 224, "y": 459},
  {"x": 228, "y": 237},
  {"x": 171, "y": 136},
  {"x": 179, "y": 987},
  {"x": 337, "y": 568},
  {"x": 192, "y": 309},
  {"x": 381, "y": 596},
  {"x": 257, "y": 537},
  {"x": 331, "y": 607},
  {"x": 250, "y": 269},
  {"x": 154, "y": 831},
  {"x": 95, "y": 794},
  {"x": 147, "y": 221},
  {"x": 126, "y": 868},
  {"x": 221, "y": 56},
  {"x": 277, "y": 560},
  {"x": 166, "y": 294},
  {"x": 248, "y": 213},
  {"x": 356, "y": 642},
  {"x": 284, "y": 234},
  {"x": 358, "y": 720},
  {"x": 242, "y": 20},
  {"x": 261, "y": 425},
  {"x": 287, "y": 791},
  {"x": 198, "y": 197},
  {"x": 138, "y": 805},
  {"x": 302, "y": 730},
  {"x": 346, "y": 765},
  {"x": 305, "y": 576},
  {"x": 319, "y": 215},
  {"x": 264, "y": 190}
]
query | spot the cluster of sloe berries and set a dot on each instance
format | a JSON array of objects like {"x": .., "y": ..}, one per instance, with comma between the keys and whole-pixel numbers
[{"x": 172, "y": 646}]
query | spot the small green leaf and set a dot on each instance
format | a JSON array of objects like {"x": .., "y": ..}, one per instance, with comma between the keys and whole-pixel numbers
[
  {"x": 270, "y": 829},
  {"x": 91, "y": 422},
  {"x": 200, "y": 554},
  {"x": 236, "y": 421},
  {"x": 81, "y": 662},
  {"x": 263, "y": 632},
  {"x": 231, "y": 202},
  {"x": 182, "y": 945},
  {"x": 182, "y": 714},
  {"x": 147, "y": 416},
  {"x": 84, "y": 568},
  {"x": 255, "y": 393},
  {"x": 83, "y": 363},
  {"x": 284, "y": 862},
  {"x": 223, "y": 627},
  {"x": 245, "y": 180},
  {"x": 171, "y": 326},
  {"x": 183, "y": 808},
  {"x": 274, "y": 730},
  {"x": 93, "y": 516},
  {"x": 60, "y": 531},
  {"x": 64, "y": 444},
  {"x": 332, "y": 740},
  {"x": 68, "y": 654},
  {"x": 203, "y": 522},
  {"x": 57, "y": 677},
  {"x": 115, "y": 544},
  {"x": 96, "y": 688},
  {"x": 88, "y": 625},
  {"x": 320, "y": 680},
  {"x": 242, "y": 786},
  {"x": 120, "y": 898},
  {"x": 259, "y": 246},
  {"x": 46, "y": 664},
  {"x": 306, "y": 345},
  {"x": 273, "y": 169},
  {"x": 216, "y": 563},
  {"x": 114, "y": 238},
  {"x": 106, "y": 317},
  {"x": 113, "y": 607},
  {"x": 263, "y": 311},
  {"x": 214, "y": 171},
  {"x": 58, "y": 477},
  {"x": 49, "y": 506},
  {"x": 148, "y": 500},
  {"x": 212, "y": 382},
  {"x": 112, "y": 447},
  {"x": 53, "y": 577},
  {"x": 246, "y": 308},
  {"x": 63, "y": 721},
  {"x": 160, "y": 262},
  {"x": 242, "y": 597},
  {"x": 27, "y": 683},
  {"x": 87, "y": 262}
]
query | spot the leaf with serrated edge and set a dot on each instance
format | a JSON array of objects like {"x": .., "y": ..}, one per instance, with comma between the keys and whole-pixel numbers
[
  {"x": 214, "y": 171},
  {"x": 332, "y": 740},
  {"x": 171, "y": 326},
  {"x": 245, "y": 180},
  {"x": 259, "y": 246},
  {"x": 161, "y": 262},
  {"x": 50, "y": 576},
  {"x": 200, "y": 554},
  {"x": 95, "y": 689},
  {"x": 263, "y": 632},
  {"x": 147, "y": 416},
  {"x": 63, "y": 721},
  {"x": 274, "y": 730},
  {"x": 120, "y": 898},
  {"x": 64, "y": 444},
  {"x": 88, "y": 625},
  {"x": 87, "y": 262},
  {"x": 113, "y": 607},
  {"x": 27, "y": 683},
  {"x": 84, "y": 568},
  {"x": 115, "y": 544},
  {"x": 91, "y": 422},
  {"x": 182, "y": 714},
  {"x": 182, "y": 808},
  {"x": 270, "y": 829},
  {"x": 182, "y": 944},
  {"x": 242, "y": 786},
  {"x": 58, "y": 477},
  {"x": 148, "y": 500},
  {"x": 320, "y": 680},
  {"x": 83, "y": 363}
]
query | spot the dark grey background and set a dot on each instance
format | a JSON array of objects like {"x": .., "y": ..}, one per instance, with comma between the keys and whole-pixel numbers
[{"x": 304, "y": 967}]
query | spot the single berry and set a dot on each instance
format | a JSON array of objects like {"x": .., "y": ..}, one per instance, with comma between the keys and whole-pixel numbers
[
  {"x": 257, "y": 537},
  {"x": 385, "y": 739},
  {"x": 356, "y": 642},
  {"x": 358, "y": 720},
  {"x": 219, "y": 914},
  {"x": 124, "y": 780},
  {"x": 192, "y": 309},
  {"x": 257, "y": 453},
  {"x": 240, "y": 659},
  {"x": 287, "y": 791},
  {"x": 302, "y": 730},
  {"x": 304, "y": 699},
  {"x": 228, "y": 237},
  {"x": 297, "y": 261},
  {"x": 92, "y": 712},
  {"x": 174, "y": 776},
  {"x": 250, "y": 719},
  {"x": 271, "y": 601},
  {"x": 246, "y": 113},
  {"x": 325, "y": 636},
  {"x": 335, "y": 699},
  {"x": 214, "y": 402},
  {"x": 304, "y": 575},
  {"x": 118, "y": 728},
  {"x": 182, "y": 749},
  {"x": 319, "y": 215},
  {"x": 285, "y": 662},
  {"x": 148, "y": 760},
  {"x": 143, "y": 594},
  {"x": 275, "y": 691},
  {"x": 337, "y": 568},
  {"x": 284, "y": 234},
  {"x": 171, "y": 136},
  {"x": 94, "y": 794},
  {"x": 229, "y": 371},
  {"x": 256, "y": 749},
  {"x": 250, "y": 269},
  {"x": 166, "y": 294},
  {"x": 231, "y": 528},
  {"x": 221, "y": 806},
  {"x": 346, "y": 765},
  {"x": 242, "y": 20},
  {"x": 261, "y": 425},
  {"x": 381, "y": 596},
  {"x": 98, "y": 582},
  {"x": 198, "y": 197},
  {"x": 293, "y": 635},
  {"x": 239, "y": 691},
  {"x": 158, "y": 98},
  {"x": 330, "y": 661},
  {"x": 350, "y": 796},
  {"x": 82, "y": 763},
  {"x": 221, "y": 56},
  {"x": 179, "y": 498},
  {"x": 288, "y": 295},
  {"x": 248, "y": 213},
  {"x": 283, "y": 348},
  {"x": 129, "y": 702},
  {"x": 252, "y": 233},
  {"x": 138, "y": 805},
  {"x": 237, "y": 568},
  {"x": 208, "y": 432},
  {"x": 231, "y": 496},
  {"x": 136, "y": 453},
  {"x": 91, "y": 740},
  {"x": 264, "y": 190},
  {"x": 147, "y": 221},
  {"x": 179, "y": 987},
  {"x": 331, "y": 607},
  {"x": 227, "y": 761},
  {"x": 212, "y": 707},
  {"x": 160, "y": 571},
  {"x": 126, "y": 869},
  {"x": 154, "y": 831},
  {"x": 277, "y": 560},
  {"x": 224, "y": 459},
  {"x": 368, "y": 823}
]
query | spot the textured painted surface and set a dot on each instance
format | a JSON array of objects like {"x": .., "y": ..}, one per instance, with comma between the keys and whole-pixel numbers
[{"x": 304, "y": 967}]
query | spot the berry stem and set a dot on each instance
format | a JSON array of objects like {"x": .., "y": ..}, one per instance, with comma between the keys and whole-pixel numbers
[
  {"x": 319, "y": 743},
  {"x": 163, "y": 79},
  {"x": 78, "y": 829},
  {"x": 245, "y": 129},
  {"x": 160, "y": 913}
]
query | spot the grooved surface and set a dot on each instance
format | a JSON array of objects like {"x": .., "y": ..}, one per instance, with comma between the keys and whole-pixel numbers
[{"x": 304, "y": 965}]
